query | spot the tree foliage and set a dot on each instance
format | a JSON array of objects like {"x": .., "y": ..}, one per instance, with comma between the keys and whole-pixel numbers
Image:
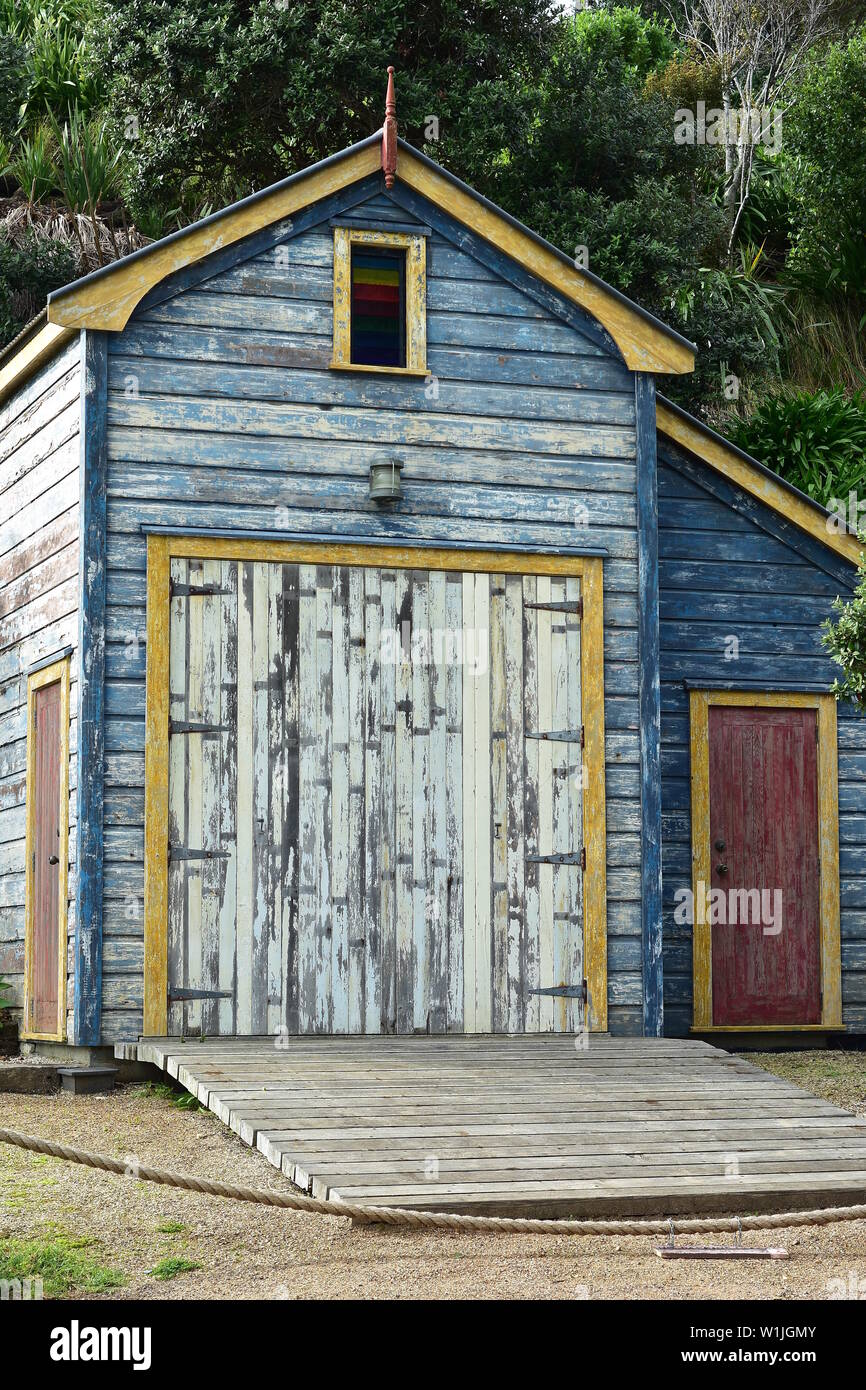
[{"x": 825, "y": 141}]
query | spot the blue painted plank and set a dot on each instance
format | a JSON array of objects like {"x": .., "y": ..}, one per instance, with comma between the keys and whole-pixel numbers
[
  {"x": 91, "y": 645},
  {"x": 650, "y": 706}
]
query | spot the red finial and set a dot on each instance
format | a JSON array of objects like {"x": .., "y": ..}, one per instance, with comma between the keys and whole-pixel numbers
[{"x": 389, "y": 133}]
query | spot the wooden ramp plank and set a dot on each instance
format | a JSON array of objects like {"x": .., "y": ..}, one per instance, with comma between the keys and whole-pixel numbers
[{"x": 632, "y": 1126}]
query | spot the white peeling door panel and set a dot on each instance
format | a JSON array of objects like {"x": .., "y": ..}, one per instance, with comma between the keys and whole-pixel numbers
[{"x": 374, "y": 800}]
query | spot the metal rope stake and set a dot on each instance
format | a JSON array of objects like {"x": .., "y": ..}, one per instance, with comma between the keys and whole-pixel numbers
[{"x": 431, "y": 1220}]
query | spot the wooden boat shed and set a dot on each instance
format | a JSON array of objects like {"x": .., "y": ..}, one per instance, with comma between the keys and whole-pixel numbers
[{"x": 379, "y": 649}]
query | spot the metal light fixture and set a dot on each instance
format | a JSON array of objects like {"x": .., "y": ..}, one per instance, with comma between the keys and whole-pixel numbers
[{"x": 385, "y": 478}]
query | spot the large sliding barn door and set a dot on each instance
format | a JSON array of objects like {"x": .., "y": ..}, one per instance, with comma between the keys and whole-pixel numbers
[{"x": 374, "y": 800}]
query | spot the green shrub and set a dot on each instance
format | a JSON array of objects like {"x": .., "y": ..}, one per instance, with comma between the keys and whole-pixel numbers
[
  {"x": 846, "y": 641},
  {"x": 29, "y": 270},
  {"x": 817, "y": 441}
]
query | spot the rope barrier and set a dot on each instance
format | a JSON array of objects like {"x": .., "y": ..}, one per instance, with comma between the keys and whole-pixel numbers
[{"x": 431, "y": 1220}]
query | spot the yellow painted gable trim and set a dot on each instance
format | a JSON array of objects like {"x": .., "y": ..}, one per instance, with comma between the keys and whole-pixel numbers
[
  {"x": 727, "y": 461},
  {"x": 108, "y": 302},
  {"x": 645, "y": 347}
]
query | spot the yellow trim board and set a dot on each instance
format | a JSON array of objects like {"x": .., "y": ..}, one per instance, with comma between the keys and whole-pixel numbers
[
  {"x": 58, "y": 671},
  {"x": 160, "y": 552},
  {"x": 689, "y": 435},
  {"x": 415, "y": 248},
  {"x": 31, "y": 355},
  {"x": 700, "y": 702},
  {"x": 107, "y": 302}
]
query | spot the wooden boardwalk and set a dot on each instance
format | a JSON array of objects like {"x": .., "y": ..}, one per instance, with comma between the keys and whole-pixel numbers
[{"x": 520, "y": 1125}]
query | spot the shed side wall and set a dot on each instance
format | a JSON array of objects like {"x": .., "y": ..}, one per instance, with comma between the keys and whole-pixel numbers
[
  {"x": 39, "y": 504},
  {"x": 743, "y": 595}
]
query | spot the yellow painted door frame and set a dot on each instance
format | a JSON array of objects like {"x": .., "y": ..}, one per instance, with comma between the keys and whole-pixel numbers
[
  {"x": 162, "y": 549},
  {"x": 700, "y": 702}
]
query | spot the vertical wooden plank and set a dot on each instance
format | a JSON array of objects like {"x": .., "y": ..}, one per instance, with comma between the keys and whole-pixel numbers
[
  {"x": 649, "y": 696},
  {"x": 389, "y": 649},
  {"x": 245, "y": 802},
  {"x": 532, "y": 900},
  {"x": 403, "y": 804},
  {"x": 356, "y": 878},
  {"x": 275, "y": 696},
  {"x": 177, "y": 781},
  {"x": 454, "y": 803},
  {"x": 372, "y": 762},
  {"x": 470, "y": 920},
  {"x": 90, "y": 724},
  {"x": 290, "y": 855},
  {"x": 562, "y": 842},
  {"x": 342, "y": 842},
  {"x": 262, "y": 910},
  {"x": 324, "y": 718},
  {"x": 308, "y": 705},
  {"x": 156, "y": 788},
  {"x": 546, "y": 963},
  {"x": 483, "y": 854},
  {"x": 212, "y": 869},
  {"x": 574, "y": 958},
  {"x": 442, "y": 659},
  {"x": 828, "y": 831},
  {"x": 193, "y": 868},
  {"x": 498, "y": 808},
  {"x": 594, "y": 817},
  {"x": 228, "y": 718},
  {"x": 515, "y": 801},
  {"x": 420, "y": 677}
]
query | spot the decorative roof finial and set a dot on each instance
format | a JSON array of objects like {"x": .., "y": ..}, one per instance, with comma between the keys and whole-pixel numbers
[{"x": 389, "y": 133}]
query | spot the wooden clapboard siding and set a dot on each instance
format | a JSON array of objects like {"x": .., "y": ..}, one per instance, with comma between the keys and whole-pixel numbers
[
  {"x": 39, "y": 599},
  {"x": 773, "y": 602},
  {"x": 524, "y": 436},
  {"x": 317, "y": 717}
]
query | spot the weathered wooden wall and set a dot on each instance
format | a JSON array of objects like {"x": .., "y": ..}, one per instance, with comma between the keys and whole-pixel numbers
[
  {"x": 732, "y": 569},
  {"x": 39, "y": 496},
  {"x": 222, "y": 414}
]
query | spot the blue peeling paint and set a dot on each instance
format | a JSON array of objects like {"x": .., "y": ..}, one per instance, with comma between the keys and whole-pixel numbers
[
  {"x": 650, "y": 707},
  {"x": 91, "y": 690}
]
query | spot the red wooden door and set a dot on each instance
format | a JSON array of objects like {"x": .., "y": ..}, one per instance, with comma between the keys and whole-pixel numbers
[
  {"x": 764, "y": 840},
  {"x": 46, "y": 945}
]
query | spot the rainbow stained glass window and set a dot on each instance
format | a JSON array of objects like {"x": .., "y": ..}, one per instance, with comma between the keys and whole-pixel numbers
[{"x": 378, "y": 307}]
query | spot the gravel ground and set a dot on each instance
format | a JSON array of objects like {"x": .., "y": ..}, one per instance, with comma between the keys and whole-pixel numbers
[
  {"x": 832, "y": 1074},
  {"x": 248, "y": 1251}
]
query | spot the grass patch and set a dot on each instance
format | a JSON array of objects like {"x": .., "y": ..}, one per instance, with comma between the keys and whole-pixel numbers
[
  {"x": 59, "y": 1262},
  {"x": 160, "y": 1090},
  {"x": 831, "y": 1074},
  {"x": 171, "y": 1228},
  {"x": 171, "y": 1267}
]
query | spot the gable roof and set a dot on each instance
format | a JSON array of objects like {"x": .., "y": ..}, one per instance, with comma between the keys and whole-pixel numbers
[
  {"x": 756, "y": 479},
  {"x": 106, "y": 298}
]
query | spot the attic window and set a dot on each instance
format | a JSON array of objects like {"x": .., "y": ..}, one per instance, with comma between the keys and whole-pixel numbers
[
  {"x": 379, "y": 301},
  {"x": 378, "y": 307}
]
